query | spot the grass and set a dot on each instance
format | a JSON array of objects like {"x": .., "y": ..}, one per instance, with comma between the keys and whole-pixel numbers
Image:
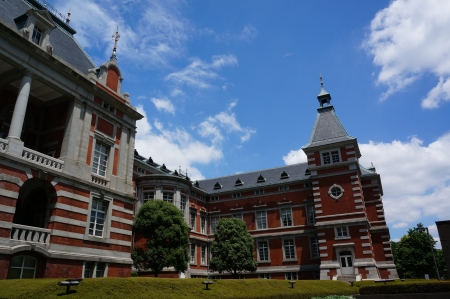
[{"x": 134, "y": 288}]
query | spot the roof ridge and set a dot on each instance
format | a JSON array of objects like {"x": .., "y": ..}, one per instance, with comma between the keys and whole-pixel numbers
[{"x": 260, "y": 170}]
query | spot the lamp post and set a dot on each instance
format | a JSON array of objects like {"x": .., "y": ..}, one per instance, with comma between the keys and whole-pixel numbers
[{"x": 421, "y": 229}]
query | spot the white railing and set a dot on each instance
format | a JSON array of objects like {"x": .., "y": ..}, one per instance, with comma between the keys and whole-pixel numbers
[
  {"x": 30, "y": 234},
  {"x": 99, "y": 180},
  {"x": 41, "y": 159},
  {"x": 3, "y": 145}
]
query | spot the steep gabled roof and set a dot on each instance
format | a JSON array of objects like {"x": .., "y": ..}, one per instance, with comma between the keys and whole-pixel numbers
[{"x": 327, "y": 129}]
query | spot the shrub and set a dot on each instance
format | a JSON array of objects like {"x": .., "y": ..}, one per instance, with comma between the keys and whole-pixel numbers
[
  {"x": 134, "y": 274},
  {"x": 431, "y": 287}
]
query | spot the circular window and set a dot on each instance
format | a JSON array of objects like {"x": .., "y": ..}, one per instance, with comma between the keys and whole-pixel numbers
[{"x": 336, "y": 191}]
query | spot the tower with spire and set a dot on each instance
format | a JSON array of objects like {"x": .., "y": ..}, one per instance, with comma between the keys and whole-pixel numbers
[{"x": 352, "y": 233}]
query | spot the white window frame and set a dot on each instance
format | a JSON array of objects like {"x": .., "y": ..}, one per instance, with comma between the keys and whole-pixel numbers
[
  {"x": 283, "y": 216},
  {"x": 183, "y": 201},
  {"x": 264, "y": 275},
  {"x": 263, "y": 219},
  {"x": 294, "y": 248},
  {"x": 332, "y": 155},
  {"x": 192, "y": 219},
  {"x": 237, "y": 216},
  {"x": 37, "y": 31},
  {"x": 310, "y": 215},
  {"x": 97, "y": 158},
  {"x": 192, "y": 253},
  {"x": 283, "y": 188},
  {"x": 266, "y": 248},
  {"x": 148, "y": 196},
  {"x": 88, "y": 266},
  {"x": 168, "y": 196},
  {"x": 215, "y": 198},
  {"x": 203, "y": 224},
  {"x": 213, "y": 221},
  {"x": 92, "y": 225},
  {"x": 330, "y": 192},
  {"x": 203, "y": 255},
  {"x": 291, "y": 275},
  {"x": 236, "y": 195},
  {"x": 314, "y": 247},
  {"x": 342, "y": 232},
  {"x": 259, "y": 192},
  {"x": 107, "y": 223}
]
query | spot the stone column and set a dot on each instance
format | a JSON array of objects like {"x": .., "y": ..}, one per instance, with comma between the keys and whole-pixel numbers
[{"x": 20, "y": 109}]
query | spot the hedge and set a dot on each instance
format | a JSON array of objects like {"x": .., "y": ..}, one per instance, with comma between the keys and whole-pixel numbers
[{"x": 430, "y": 287}]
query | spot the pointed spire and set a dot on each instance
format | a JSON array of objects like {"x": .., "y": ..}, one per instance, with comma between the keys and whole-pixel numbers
[
  {"x": 116, "y": 37},
  {"x": 68, "y": 16},
  {"x": 324, "y": 97}
]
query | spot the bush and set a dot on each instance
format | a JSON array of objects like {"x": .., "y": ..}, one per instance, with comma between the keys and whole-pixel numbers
[
  {"x": 134, "y": 274},
  {"x": 430, "y": 287}
]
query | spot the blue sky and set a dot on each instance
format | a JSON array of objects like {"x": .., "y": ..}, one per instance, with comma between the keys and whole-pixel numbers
[{"x": 231, "y": 86}]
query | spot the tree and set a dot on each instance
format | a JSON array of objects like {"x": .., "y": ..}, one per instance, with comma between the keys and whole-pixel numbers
[
  {"x": 167, "y": 237},
  {"x": 232, "y": 248},
  {"x": 412, "y": 255}
]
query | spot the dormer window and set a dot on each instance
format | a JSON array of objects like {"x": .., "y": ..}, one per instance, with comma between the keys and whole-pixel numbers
[
  {"x": 307, "y": 172},
  {"x": 261, "y": 179},
  {"x": 284, "y": 175},
  {"x": 217, "y": 186},
  {"x": 238, "y": 183},
  {"x": 36, "y": 37}
]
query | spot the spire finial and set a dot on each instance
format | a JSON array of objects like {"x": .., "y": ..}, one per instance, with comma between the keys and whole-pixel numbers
[
  {"x": 68, "y": 16},
  {"x": 116, "y": 37},
  {"x": 321, "y": 82}
]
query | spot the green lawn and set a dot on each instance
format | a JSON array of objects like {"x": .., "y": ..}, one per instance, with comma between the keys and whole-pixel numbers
[{"x": 129, "y": 288}]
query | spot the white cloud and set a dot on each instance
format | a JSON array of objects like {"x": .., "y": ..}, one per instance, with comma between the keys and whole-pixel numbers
[
  {"x": 415, "y": 177},
  {"x": 287, "y": 54},
  {"x": 158, "y": 33},
  {"x": 177, "y": 92},
  {"x": 173, "y": 147},
  {"x": 199, "y": 73},
  {"x": 213, "y": 126},
  {"x": 408, "y": 39},
  {"x": 247, "y": 34},
  {"x": 164, "y": 105}
]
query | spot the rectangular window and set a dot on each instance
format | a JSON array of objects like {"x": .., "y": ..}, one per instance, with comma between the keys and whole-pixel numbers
[
  {"x": 183, "y": 204},
  {"x": 214, "y": 221},
  {"x": 289, "y": 249},
  {"x": 107, "y": 106},
  {"x": 236, "y": 195},
  {"x": 330, "y": 157},
  {"x": 283, "y": 188},
  {"x": 100, "y": 270},
  {"x": 51, "y": 152},
  {"x": 100, "y": 159},
  {"x": 192, "y": 219},
  {"x": 311, "y": 214},
  {"x": 314, "y": 247},
  {"x": 259, "y": 192},
  {"x": 263, "y": 250},
  {"x": 341, "y": 231},
  {"x": 98, "y": 215},
  {"x": 286, "y": 217},
  {"x": 149, "y": 196},
  {"x": 238, "y": 216},
  {"x": 203, "y": 255},
  {"x": 88, "y": 268},
  {"x": 264, "y": 276},
  {"x": 192, "y": 253},
  {"x": 36, "y": 37},
  {"x": 168, "y": 197},
  {"x": 214, "y": 198},
  {"x": 308, "y": 185},
  {"x": 261, "y": 221},
  {"x": 203, "y": 224},
  {"x": 291, "y": 275}
]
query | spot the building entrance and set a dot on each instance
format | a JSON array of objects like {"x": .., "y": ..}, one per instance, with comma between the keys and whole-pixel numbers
[{"x": 346, "y": 263}]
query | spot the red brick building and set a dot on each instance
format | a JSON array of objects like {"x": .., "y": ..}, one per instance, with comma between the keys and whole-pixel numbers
[
  {"x": 66, "y": 152},
  {"x": 323, "y": 219}
]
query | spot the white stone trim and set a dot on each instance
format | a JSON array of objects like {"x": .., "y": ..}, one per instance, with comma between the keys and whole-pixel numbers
[
  {"x": 364, "y": 237},
  {"x": 67, "y": 221},
  {"x": 7, "y": 209},
  {"x": 10, "y": 194},
  {"x": 121, "y": 220},
  {"x": 324, "y": 255},
  {"x": 70, "y": 195},
  {"x": 120, "y": 231},
  {"x": 318, "y": 211},
  {"x": 365, "y": 245},
  {"x": 62, "y": 206},
  {"x": 367, "y": 251},
  {"x": 318, "y": 206},
  {"x": 320, "y": 234},
  {"x": 358, "y": 200},
  {"x": 359, "y": 207}
]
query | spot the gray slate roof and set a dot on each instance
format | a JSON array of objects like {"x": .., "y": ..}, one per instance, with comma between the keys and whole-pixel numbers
[
  {"x": 64, "y": 44},
  {"x": 327, "y": 129},
  {"x": 296, "y": 172}
]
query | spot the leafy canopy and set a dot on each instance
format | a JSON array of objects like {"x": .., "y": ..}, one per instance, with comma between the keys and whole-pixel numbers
[
  {"x": 167, "y": 237},
  {"x": 413, "y": 257},
  {"x": 232, "y": 248}
]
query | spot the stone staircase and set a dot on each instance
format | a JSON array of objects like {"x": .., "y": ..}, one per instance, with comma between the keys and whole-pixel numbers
[{"x": 346, "y": 278}]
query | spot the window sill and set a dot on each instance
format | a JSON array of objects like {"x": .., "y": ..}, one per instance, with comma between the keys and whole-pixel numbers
[
  {"x": 290, "y": 260},
  {"x": 342, "y": 238},
  {"x": 95, "y": 239},
  {"x": 264, "y": 262}
]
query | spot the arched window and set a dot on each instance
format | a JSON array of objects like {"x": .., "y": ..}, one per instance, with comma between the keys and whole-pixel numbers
[{"x": 22, "y": 266}]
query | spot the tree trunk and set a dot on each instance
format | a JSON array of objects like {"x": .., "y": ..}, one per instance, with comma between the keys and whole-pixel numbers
[
  {"x": 235, "y": 275},
  {"x": 156, "y": 274}
]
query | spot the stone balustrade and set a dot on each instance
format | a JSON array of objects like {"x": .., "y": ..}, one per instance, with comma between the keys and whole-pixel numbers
[
  {"x": 42, "y": 159},
  {"x": 100, "y": 180},
  {"x": 30, "y": 234}
]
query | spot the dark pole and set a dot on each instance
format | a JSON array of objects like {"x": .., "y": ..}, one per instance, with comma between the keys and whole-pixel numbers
[{"x": 432, "y": 252}]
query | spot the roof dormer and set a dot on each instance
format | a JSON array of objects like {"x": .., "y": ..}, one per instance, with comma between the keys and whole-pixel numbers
[{"x": 36, "y": 26}]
